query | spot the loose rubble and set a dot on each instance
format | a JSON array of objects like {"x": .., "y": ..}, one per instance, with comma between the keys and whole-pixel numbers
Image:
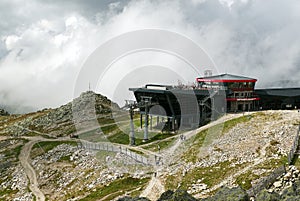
[{"x": 285, "y": 181}]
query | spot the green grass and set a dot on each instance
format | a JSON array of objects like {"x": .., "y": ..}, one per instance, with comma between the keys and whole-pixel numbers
[
  {"x": 109, "y": 129},
  {"x": 93, "y": 136},
  {"x": 136, "y": 151},
  {"x": 6, "y": 192},
  {"x": 15, "y": 152},
  {"x": 194, "y": 145},
  {"x": 296, "y": 161},
  {"x": 162, "y": 145},
  {"x": 228, "y": 125},
  {"x": 211, "y": 176},
  {"x": 103, "y": 121},
  {"x": 273, "y": 163},
  {"x": 244, "y": 180},
  {"x": 208, "y": 135},
  {"x": 126, "y": 184},
  {"x": 119, "y": 137},
  {"x": 64, "y": 159}
]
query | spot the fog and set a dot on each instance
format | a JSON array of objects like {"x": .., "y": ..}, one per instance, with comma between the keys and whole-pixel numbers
[{"x": 45, "y": 44}]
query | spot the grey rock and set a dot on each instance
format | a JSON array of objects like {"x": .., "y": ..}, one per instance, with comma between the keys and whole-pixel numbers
[
  {"x": 3, "y": 112},
  {"x": 266, "y": 196},
  {"x": 133, "y": 199},
  {"x": 229, "y": 194}
]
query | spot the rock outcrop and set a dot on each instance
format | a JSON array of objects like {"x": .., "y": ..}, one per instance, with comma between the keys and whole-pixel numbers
[
  {"x": 66, "y": 119},
  {"x": 3, "y": 112}
]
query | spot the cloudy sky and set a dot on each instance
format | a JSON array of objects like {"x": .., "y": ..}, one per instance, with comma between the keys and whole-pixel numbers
[{"x": 44, "y": 44}]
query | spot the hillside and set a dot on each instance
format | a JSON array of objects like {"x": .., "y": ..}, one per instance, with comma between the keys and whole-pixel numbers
[
  {"x": 40, "y": 161},
  {"x": 61, "y": 121}
]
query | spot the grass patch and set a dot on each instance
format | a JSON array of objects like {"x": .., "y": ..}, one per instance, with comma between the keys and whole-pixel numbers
[
  {"x": 119, "y": 137},
  {"x": 228, "y": 125},
  {"x": 296, "y": 161},
  {"x": 103, "y": 121},
  {"x": 244, "y": 180},
  {"x": 109, "y": 129},
  {"x": 211, "y": 176},
  {"x": 7, "y": 192},
  {"x": 136, "y": 151},
  {"x": 64, "y": 159},
  {"x": 125, "y": 184},
  {"x": 15, "y": 151},
  {"x": 273, "y": 163},
  {"x": 208, "y": 135},
  {"x": 93, "y": 136},
  {"x": 162, "y": 145},
  {"x": 191, "y": 155}
]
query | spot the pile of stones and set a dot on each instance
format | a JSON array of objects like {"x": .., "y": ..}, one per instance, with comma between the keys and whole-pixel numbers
[{"x": 286, "y": 180}]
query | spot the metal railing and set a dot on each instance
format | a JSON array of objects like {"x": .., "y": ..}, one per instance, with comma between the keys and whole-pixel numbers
[
  {"x": 113, "y": 148},
  {"x": 294, "y": 148}
]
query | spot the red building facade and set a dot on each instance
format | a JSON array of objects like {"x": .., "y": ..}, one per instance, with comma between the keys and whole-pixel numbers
[{"x": 240, "y": 90}]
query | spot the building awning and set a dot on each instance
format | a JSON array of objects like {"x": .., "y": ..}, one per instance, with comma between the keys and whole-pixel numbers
[{"x": 242, "y": 99}]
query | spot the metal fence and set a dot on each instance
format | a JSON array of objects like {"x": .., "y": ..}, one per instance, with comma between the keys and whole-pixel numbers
[
  {"x": 113, "y": 148},
  {"x": 267, "y": 181},
  {"x": 294, "y": 148}
]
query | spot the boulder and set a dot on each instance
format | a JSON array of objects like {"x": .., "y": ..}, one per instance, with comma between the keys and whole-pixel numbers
[
  {"x": 266, "y": 196},
  {"x": 229, "y": 194},
  {"x": 178, "y": 195},
  {"x": 133, "y": 199},
  {"x": 3, "y": 112}
]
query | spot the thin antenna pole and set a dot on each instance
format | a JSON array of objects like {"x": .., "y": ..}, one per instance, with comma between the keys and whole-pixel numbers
[{"x": 89, "y": 86}]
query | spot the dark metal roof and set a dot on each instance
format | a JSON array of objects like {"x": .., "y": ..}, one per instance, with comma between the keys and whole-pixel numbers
[
  {"x": 287, "y": 92},
  {"x": 173, "y": 91}
]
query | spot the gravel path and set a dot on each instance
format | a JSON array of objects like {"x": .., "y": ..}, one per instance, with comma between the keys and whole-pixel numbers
[{"x": 24, "y": 159}]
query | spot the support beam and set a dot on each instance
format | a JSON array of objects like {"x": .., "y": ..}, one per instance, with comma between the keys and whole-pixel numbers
[
  {"x": 146, "y": 123},
  {"x": 150, "y": 122},
  {"x": 132, "y": 136},
  {"x": 173, "y": 123}
]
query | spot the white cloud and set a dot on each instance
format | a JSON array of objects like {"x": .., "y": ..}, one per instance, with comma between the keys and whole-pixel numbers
[{"x": 44, "y": 44}]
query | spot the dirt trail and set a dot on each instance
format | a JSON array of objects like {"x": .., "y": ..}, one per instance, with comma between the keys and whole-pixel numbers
[
  {"x": 25, "y": 161},
  {"x": 154, "y": 189}
]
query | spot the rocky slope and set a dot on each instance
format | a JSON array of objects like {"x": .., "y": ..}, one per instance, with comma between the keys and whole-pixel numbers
[
  {"x": 66, "y": 119},
  {"x": 236, "y": 153}
]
